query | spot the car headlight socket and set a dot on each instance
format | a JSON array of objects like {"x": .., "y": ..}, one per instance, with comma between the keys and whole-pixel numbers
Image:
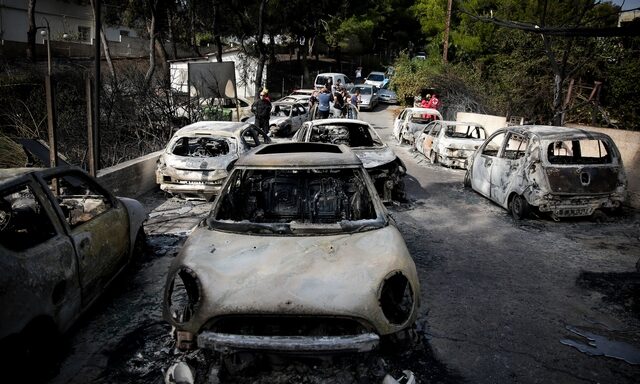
[
  {"x": 183, "y": 295},
  {"x": 396, "y": 298}
]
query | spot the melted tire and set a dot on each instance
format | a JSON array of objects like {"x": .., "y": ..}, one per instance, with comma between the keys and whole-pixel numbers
[{"x": 519, "y": 207}]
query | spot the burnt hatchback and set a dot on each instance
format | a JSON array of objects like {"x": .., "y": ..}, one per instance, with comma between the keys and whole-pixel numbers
[
  {"x": 384, "y": 166},
  {"x": 297, "y": 255},
  {"x": 565, "y": 172}
]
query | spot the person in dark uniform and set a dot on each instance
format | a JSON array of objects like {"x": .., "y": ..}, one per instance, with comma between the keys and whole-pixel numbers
[{"x": 262, "y": 110}]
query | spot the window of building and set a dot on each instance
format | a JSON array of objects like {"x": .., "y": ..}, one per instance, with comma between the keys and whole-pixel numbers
[{"x": 84, "y": 33}]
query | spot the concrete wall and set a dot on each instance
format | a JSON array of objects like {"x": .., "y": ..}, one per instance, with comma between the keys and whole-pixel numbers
[
  {"x": 490, "y": 123},
  {"x": 628, "y": 142},
  {"x": 132, "y": 178}
]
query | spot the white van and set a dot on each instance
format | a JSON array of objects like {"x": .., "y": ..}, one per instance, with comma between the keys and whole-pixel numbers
[{"x": 322, "y": 78}]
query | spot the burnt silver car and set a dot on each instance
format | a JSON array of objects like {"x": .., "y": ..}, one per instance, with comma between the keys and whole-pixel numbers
[
  {"x": 198, "y": 157},
  {"x": 63, "y": 239},
  {"x": 564, "y": 172},
  {"x": 297, "y": 255},
  {"x": 385, "y": 168}
]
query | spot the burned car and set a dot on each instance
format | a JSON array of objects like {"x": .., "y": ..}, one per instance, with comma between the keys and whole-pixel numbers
[
  {"x": 564, "y": 172},
  {"x": 198, "y": 157},
  {"x": 297, "y": 255},
  {"x": 286, "y": 117},
  {"x": 450, "y": 143},
  {"x": 412, "y": 120},
  {"x": 63, "y": 239},
  {"x": 385, "y": 168}
]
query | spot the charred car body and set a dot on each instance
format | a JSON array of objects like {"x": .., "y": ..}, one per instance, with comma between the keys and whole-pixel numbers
[
  {"x": 450, "y": 143},
  {"x": 286, "y": 117},
  {"x": 297, "y": 255},
  {"x": 63, "y": 239},
  {"x": 413, "y": 120},
  {"x": 198, "y": 157},
  {"x": 561, "y": 171},
  {"x": 385, "y": 168}
]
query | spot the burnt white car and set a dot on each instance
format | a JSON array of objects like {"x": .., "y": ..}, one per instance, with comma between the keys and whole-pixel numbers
[
  {"x": 385, "y": 168},
  {"x": 286, "y": 117},
  {"x": 412, "y": 120},
  {"x": 198, "y": 157},
  {"x": 297, "y": 255},
  {"x": 564, "y": 172},
  {"x": 63, "y": 239},
  {"x": 450, "y": 143}
]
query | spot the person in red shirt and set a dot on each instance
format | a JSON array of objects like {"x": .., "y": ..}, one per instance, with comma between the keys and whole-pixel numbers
[{"x": 433, "y": 102}]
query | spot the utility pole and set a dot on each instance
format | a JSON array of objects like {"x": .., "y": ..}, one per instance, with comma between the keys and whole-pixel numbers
[
  {"x": 446, "y": 32},
  {"x": 95, "y": 143}
]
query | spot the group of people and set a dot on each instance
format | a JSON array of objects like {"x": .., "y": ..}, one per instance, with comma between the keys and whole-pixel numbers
[
  {"x": 430, "y": 101},
  {"x": 344, "y": 102}
]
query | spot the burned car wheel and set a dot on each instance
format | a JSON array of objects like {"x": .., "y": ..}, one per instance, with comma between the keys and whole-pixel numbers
[
  {"x": 519, "y": 207},
  {"x": 433, "y": 157},
  {"x": 467, "y": 179}
]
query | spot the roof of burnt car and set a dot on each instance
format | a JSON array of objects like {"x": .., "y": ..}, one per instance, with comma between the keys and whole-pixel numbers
[
  {"x": 553, "y": 132},
  {"x": 209, "y": 127},
  {"x": 300, "y": 155}
]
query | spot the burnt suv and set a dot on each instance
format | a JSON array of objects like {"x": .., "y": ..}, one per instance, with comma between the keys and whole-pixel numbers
[{"x": 297, "y": 255}]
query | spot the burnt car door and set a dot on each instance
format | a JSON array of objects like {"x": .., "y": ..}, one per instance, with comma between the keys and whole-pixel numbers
[
  {"x": 98, "y": 225},
  {"x": 399, "y": 123},
  {"x": 420, "y": 141},
  {"x": 297, "y": 116},
  {"x": 252, "y": 136},
  {"x": 505, "y": 175},
  {"x": 481, "y": 168},
  {"x": 427, "y": 144},
  {"x": 38, "y": 264}
]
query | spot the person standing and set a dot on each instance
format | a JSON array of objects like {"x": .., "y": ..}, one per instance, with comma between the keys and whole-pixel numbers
[
  {"x": 339, "y": 100},
  {"x": 359, "y": 75},
  {"x": 261, "y": 108},
  {"x": 355, "y": 103},
  {"x": 324, "y": 100},
  {"x": 433, "y": 102}
]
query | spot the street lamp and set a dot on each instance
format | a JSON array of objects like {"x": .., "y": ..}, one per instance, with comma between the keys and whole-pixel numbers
[
  {"x": 51, "y": 110},
  {"x": 47, "y": 33}
]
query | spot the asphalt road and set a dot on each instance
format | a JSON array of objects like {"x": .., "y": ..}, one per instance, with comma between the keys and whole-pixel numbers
[{"x": 502, "y": 301}]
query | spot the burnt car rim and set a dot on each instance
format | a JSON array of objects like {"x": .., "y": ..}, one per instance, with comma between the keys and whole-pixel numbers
[
  {"x": 396, "y": 298},
  {"x": 183, "y": 295}
]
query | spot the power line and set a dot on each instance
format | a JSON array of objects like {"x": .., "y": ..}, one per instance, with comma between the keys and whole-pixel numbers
[{"x": 633, "y": 29}]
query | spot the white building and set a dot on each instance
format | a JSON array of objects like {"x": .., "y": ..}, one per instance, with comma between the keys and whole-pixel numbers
[{"x": 67, "y": 20}]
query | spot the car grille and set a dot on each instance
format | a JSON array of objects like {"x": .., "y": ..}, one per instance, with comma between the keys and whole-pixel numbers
[{"x": 286, "y": 326}]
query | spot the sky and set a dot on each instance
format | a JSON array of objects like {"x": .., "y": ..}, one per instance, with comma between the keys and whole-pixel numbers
[{"x": 628, "y": 4}]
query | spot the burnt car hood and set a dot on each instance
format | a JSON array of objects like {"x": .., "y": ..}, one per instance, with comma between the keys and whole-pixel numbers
[
  {"x": 186, "y": 163},
  {"x": 373, "y": 157},
  {"x": 336, "y": 275}
]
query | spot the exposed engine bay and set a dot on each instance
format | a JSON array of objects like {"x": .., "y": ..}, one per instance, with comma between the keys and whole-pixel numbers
[
  {"x": 305, "y": 196},
  {"x": 201, "y": 146},
  {"x": 351, "y": 135}
]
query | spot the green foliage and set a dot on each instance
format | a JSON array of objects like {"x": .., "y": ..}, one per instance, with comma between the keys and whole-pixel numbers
[{"x": 412, "y": 76}]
